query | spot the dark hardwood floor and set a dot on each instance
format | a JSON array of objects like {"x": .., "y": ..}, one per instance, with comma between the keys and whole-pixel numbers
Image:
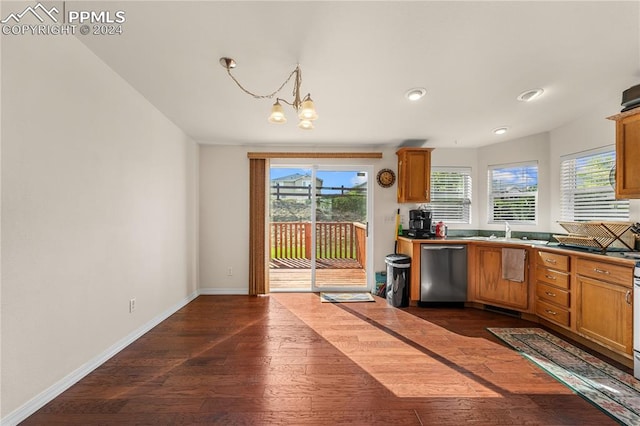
[{"x": 289, "y": 359}]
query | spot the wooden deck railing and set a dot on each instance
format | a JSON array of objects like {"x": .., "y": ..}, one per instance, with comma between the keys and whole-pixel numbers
[{"x": 334, "y": 240}]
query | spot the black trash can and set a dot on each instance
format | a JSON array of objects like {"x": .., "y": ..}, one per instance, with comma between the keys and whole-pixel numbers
[{"x": 398, "y": 275}]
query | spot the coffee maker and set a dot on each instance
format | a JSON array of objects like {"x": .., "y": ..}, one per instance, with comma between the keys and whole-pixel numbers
[{"x": 420, "y": 224}]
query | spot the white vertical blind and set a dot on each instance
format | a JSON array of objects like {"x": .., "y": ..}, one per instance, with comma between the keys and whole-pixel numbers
[
  {"x": 513, "y": 193},
  {"x": 451, "y": 194},
  {"x": 587, "y": 187}
]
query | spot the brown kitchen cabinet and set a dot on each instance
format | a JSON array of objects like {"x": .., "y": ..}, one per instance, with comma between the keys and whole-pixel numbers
[
  {"x": 491, "y": 288},
  {"x": 588, "y": 297},
  {"x": 605, "y": 304},
  {"x": 414, "y": 175},
  {"x": 553, "y": 287},
  {"x": 627, "y": 153}
]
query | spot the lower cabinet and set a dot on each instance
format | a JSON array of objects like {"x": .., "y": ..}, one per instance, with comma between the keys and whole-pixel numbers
[
  {"x": 589, "y": 296},
  {"x": 553, "y": 287},
  {"x": 491, "y": 287},
  {"x": 605, "y": 306}
]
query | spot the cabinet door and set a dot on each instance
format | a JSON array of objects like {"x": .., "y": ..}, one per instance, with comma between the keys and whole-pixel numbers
[
  {"x": 414, "y": 175},
  {"x": 628, "y": 157},
  {"x": 605, "y": 313},
  {"x": 492, "y": 287}
]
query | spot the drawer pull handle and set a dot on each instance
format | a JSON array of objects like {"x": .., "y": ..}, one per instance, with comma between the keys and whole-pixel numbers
[
  {"x": 548, "y": 293},
  {"x": 550, "y": 312},
  {"x": 601, "y": 271},
  {"x": 550, "y": 260},
  {"x": 551, "y": 277},
  {"x": 627, "y": 297}
]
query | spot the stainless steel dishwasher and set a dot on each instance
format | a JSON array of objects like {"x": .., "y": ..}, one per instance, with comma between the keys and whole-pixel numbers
[{"x": 443, "y": 273}]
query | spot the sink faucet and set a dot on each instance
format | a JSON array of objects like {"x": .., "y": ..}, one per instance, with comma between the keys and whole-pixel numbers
[{"x": 507, "y": 230}]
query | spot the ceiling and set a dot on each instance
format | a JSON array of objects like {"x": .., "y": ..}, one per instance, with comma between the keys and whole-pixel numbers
[{"x": 359, "y": 58}]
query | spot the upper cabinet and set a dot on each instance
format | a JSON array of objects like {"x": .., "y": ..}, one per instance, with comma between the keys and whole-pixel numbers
[
  {"x": 414, "y": 175},
  {"x": 627, "y": 153}
]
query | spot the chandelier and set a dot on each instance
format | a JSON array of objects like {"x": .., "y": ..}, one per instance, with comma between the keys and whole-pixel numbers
[{"x": 303, "y": 106}]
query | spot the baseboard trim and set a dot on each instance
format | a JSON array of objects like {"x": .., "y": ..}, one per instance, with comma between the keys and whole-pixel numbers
[
  {"x": 37, "y": 402},
  {"x": 229, "y": 291}
]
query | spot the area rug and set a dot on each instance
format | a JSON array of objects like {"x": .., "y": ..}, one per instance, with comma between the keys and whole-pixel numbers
[
  {"x": 613, "y": 391},
  {"x": 346, "y": 297}
]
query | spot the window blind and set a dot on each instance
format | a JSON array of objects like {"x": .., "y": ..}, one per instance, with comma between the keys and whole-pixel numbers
[
  {"x": 451, "y": 194},
  {"x": 513, "y": 193},
  {"x": 587, "y": 187}
]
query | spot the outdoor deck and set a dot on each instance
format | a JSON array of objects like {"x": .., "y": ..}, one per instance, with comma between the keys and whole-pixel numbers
[
  {"x": 296, "y": 273},
  {"x": 340, "y": 255},
  {"x": 320, "y": 264}
]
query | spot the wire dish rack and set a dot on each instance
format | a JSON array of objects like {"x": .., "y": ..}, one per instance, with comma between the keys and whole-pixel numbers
[{"x": 598, "y": 235}]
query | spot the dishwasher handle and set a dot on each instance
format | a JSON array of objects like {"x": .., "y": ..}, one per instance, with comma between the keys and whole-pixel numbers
[{"x": 434, "y": 247}]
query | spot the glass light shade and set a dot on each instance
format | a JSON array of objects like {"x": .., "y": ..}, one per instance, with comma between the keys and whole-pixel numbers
[
  {"x": 416, "y": 93},
  {"x": 277, "y": 114},
  {"x": 530, "y": 95},
  {"x": 305, "y": 124},
  {"x": 307, "y": 110}
]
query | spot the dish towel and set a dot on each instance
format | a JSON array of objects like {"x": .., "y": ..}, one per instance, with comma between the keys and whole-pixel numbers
[{"x": 513, "y": 264}]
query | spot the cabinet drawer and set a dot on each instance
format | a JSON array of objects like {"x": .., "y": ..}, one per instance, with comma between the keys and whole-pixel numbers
[
  {"x": 559, "y": 262},
  {"x": 552, "y": 294},
  {"x": 616, "y": 274},
  {"x": 558, "y": 279},
  {"x": 553, "y": 313}
]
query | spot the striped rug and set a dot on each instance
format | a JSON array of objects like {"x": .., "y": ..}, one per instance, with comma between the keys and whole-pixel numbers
[{"x": 613, "y": 391}]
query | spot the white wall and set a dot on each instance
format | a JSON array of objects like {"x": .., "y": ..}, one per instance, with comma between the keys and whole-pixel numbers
[
  {"x": 99, "y": 195},
  {"x": 224, "y": 204},
  {"x": 224, "y": 218},
  {"x": 590, "y": 131},
  {"x": 223, "y": 209},
  {"x": 533, "y": 148}
]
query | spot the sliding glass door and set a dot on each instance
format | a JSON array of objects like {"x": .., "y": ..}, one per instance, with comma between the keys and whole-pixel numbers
[
  {"x": 318, "y": 228},
  {"x": 290, "y": 230},
  {"x": 340, "y": 237}
]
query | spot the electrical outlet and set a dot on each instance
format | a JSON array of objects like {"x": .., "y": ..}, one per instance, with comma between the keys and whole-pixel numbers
[
  {"x": 230, "y": 271},
  {"x": 132, "y": 305}
]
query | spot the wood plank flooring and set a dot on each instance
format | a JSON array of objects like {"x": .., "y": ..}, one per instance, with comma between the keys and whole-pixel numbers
[{"x": 287, "y": 359}]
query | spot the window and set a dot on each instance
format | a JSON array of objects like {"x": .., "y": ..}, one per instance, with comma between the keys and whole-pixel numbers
[
  {"x": 451, "y": 194},
  {"x": 513, "y": 193},
  {"x": 587, "y": 187}
]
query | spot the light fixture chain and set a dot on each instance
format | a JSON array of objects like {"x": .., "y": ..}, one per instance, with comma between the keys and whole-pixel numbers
[{"x": 269, "y": 96}]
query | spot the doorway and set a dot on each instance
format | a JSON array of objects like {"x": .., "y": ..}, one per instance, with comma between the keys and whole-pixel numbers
[{"x": 318, "y": 228}]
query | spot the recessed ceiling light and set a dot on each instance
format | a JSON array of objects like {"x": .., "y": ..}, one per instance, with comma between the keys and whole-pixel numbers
[
  {"x": 529, "y": 95},
  {"x": 500, "y": 130},
  {"x": 416, "y": 93}
]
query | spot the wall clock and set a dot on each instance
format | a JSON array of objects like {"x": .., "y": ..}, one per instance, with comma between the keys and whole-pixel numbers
[{"x": 386, "y": 178}]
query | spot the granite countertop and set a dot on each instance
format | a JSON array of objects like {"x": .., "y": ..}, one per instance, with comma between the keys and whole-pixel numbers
[{"x": 626, "y": 257}]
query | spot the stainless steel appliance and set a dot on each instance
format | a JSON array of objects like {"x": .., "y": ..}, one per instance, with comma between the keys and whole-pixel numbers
[
  {"x": 443, "y": 273},
  {"x": 636, "y": 321},
  {"x": 420, "y": 224}
]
